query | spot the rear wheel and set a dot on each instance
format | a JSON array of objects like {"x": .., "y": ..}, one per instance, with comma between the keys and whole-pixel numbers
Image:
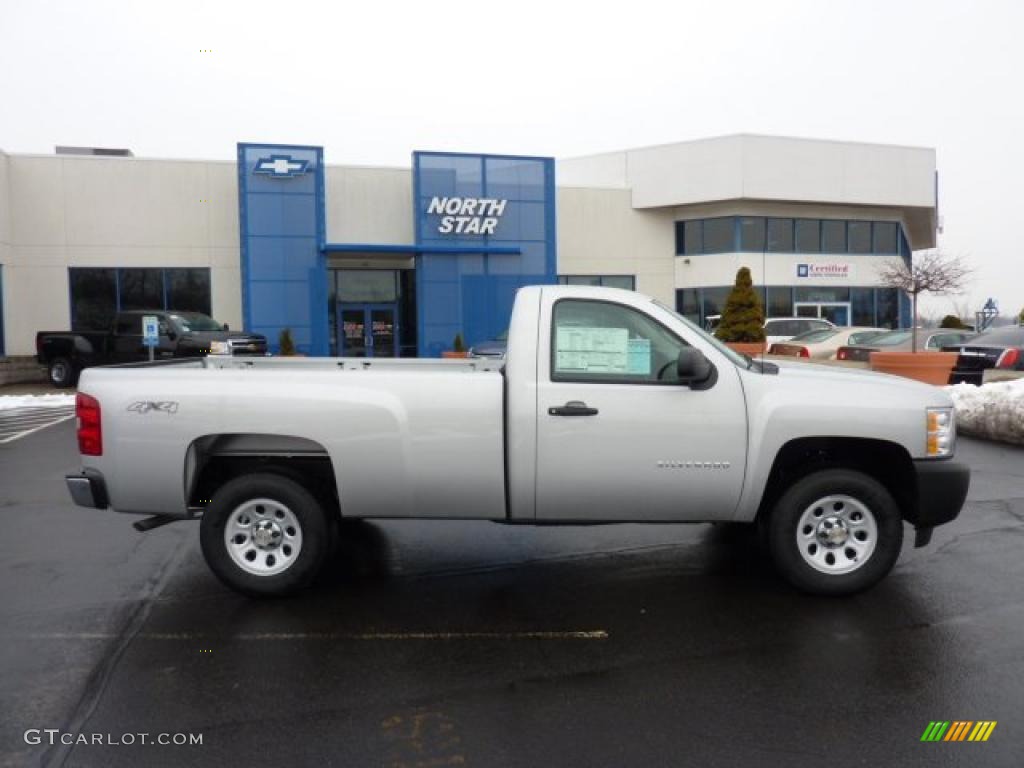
[
  {"x": 62, "y": 373},
  {"x": 835, "y": 532},
  {"x": 265, "y": 535}
]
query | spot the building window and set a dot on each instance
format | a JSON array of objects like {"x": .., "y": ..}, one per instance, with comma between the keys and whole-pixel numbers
[
  {"x": 885, "y": 238},
  {"x": 713, "y": 300},
  {"x": 888, "y": 308},
  {"x": 140, "y": 289},
  {"x": 808, "y": 236},
  {"x": 607, "y": 281},
  {"x": 752, "y": 234},
  {"x": 694, "y": 240},
  {"x": 780, "y": 235},
  {"x": 367, "y": 286},
  {"x": 833, "y": 236},
  {"x": 718, "y": 235},
  {"x": 821, "y": 293},
  {"x": 188, "y": 290},
  {"x": 756, "y": 234},
  {"x": 688, "y": 303},
  {"x": 862, "y": 301},
  {"x": 779, "y": 301},
  {"x": 93, "y": 298},
  {"x": 860, "y": 236},
  {"x": 98, "y": 294}
]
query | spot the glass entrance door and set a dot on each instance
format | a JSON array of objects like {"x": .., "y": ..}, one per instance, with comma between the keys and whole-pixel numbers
[
  {"x": 836, "y": 312},
  {"x": 368, "y": 330}
]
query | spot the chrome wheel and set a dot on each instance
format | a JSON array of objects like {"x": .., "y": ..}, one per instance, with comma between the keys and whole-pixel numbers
[
  {"x": 836, "y": 534},
  {"x": 263, "y": 537}
]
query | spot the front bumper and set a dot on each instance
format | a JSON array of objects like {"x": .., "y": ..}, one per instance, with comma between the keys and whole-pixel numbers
[
  {"x": 941, "y": 490},
  {"x": 88, "y": 489}
]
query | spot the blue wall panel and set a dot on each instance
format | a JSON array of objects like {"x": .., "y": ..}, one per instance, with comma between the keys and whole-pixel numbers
[
  {"x": 281, "y": 217},
  {"x": 472, "y": 293}
]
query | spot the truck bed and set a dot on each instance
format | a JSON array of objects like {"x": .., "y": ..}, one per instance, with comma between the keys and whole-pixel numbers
[{"x": 405, "y": 438}]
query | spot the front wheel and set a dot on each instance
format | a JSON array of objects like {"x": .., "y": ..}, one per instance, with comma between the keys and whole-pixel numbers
[
  {"x": 264, "y": 535},
  {"x": 835, "y": 532}
]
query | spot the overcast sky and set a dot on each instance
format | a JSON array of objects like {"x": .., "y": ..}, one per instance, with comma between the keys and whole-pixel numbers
[{"x": 373, "y": 80}]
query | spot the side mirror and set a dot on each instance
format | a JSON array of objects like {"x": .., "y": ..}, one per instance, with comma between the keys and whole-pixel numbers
[
  {"x": 692, "y": 368},
  {"x": 226, "y": 327}
]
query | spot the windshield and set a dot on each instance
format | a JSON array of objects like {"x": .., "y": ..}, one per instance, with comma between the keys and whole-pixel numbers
[
  {"x": 891, "y": 339},
  {"x": 734, "y": 357},
  {"x": 1011, "y": 335},
  {"x": 195, "y": 321},
  {"x": 816, "y": 336}
]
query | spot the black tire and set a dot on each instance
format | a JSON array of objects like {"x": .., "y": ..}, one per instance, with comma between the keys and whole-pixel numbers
[
  {"x": 798, "y": 533},
  {"x": 62, "y": 372},
  {"x": 286, "y": 496}
]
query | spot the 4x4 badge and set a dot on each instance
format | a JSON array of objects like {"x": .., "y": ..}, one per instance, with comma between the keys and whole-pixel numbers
[{"x": 145, "y": 406}]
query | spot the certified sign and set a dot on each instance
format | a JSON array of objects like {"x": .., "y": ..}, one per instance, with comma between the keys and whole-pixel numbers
[
  {"x": 150, "y": 330},
  {"x": 833, "y": 270}
]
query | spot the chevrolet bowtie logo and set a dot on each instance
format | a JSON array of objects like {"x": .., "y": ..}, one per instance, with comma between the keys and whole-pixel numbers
[{"x": 281, "y": 166}]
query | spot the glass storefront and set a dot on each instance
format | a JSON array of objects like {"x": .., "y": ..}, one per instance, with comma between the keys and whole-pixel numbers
[
  {"x": 372, "y": 312},
  {"x": 99, "y": 293},
  {"x": 873, "y": 307}
]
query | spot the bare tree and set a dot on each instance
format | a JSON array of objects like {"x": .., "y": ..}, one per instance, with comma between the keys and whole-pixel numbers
[{"x": 928, "y": 272}]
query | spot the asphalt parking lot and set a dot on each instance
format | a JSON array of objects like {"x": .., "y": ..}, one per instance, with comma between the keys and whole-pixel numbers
[{"x": 474, "y": 644}]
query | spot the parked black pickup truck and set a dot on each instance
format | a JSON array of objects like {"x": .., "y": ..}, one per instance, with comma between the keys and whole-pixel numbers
[{"x": 182, "y": 334}]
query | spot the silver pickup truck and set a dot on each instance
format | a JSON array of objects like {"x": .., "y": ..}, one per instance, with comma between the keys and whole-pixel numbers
[{"x": 609, "y": 407}]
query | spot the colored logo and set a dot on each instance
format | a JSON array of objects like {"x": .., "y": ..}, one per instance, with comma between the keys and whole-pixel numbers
[
  {"x": 958, "y": 730},
  {"x": 281, "y": 166}
]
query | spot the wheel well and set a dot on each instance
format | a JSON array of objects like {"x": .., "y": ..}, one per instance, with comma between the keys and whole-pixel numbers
[
  {"x": 888, "y": 463},
  {"x": 213, "y": 460}
]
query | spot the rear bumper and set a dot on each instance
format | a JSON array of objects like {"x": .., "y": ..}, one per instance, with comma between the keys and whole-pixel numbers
[
  {"x": 88, "y": 489},
  {"x": 941, "y": 491}
]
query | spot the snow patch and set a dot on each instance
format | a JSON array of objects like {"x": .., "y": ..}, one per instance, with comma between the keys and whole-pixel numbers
[
  {"x": 8, "y": 402},
  {"x": 994, "y": 411}
]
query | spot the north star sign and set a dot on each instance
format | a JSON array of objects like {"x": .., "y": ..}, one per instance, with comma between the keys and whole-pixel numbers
[
  {"x": 467, "y": 215},
  {"x": 281, "y": 166}
]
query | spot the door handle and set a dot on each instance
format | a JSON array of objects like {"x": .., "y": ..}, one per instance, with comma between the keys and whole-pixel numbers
[{"x": 572, "y": 408}]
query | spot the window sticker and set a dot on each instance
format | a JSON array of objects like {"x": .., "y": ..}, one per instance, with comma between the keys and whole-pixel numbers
[
  {"x": 638, "y": 357},
  {"x": 592, "y": 350}
]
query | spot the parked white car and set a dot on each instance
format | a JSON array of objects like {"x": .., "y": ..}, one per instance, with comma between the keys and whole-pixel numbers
[
  {"x": 822, "y": 345},
  {"x": 785, "y": 328},
  {"x": 609, "y": 407}
]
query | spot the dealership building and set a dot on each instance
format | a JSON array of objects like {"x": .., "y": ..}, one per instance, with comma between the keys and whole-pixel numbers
[{"x": 374, "y": 261}]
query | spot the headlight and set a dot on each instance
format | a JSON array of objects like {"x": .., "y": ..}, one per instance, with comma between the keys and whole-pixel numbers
[
  {"x": 220, "y": 348},
  {"x": 941, "y": 430}
]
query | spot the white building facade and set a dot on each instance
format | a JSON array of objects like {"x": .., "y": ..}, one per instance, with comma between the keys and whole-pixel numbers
[{"x": 82, "y": 237}]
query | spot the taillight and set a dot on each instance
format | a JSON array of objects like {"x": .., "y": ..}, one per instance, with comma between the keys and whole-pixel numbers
[
  {"x": 842, "y": 353},
  {"x": 1008, "y": 359},
  {"x": 804, "y": 352},
  {"x": 90, "y": 429}
]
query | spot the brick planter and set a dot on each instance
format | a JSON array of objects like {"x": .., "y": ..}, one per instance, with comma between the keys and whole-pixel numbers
[{"x": 929, "y": 367}]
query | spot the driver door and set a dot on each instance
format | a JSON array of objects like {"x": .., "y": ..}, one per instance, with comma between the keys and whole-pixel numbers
[{"x": 618, "y": 437}]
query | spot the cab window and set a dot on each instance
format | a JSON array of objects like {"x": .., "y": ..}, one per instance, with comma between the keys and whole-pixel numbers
[{"x": 598, "y": 341}]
